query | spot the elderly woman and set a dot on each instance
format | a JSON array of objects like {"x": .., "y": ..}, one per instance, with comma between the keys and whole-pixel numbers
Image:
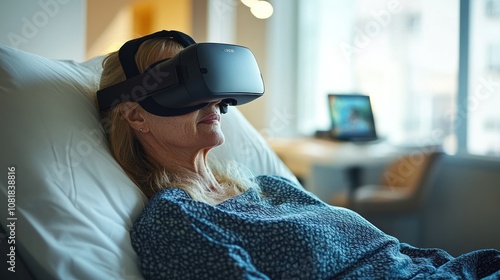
[{"x": 208, "y": 221}]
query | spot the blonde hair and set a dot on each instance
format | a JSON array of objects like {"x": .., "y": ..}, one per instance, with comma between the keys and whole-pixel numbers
[{"x": 147, "y": 174}]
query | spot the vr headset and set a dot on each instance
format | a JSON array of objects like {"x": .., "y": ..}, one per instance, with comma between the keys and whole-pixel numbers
[{"x": 199, "y": 74}]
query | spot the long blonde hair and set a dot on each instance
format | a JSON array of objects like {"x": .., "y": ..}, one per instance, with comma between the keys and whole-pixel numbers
[{"x": 147, "y": 174}]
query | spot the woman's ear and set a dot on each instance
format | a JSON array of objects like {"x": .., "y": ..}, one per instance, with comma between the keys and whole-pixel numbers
[{"x": 134, "y": 115}]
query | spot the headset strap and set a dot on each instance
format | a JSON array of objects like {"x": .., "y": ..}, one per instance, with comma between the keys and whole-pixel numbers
[{"x": 127, "y": 52}]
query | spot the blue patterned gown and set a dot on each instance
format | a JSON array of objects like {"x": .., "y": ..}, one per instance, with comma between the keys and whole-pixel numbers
[{"x": 285, "y": 233}]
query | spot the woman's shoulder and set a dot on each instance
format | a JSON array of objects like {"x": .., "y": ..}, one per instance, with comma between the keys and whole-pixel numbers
[
  {"x": 169, "y": 193},
  {"x": 275, "y": 180},
  {"x": 278, "y": 186},
  {"x": 168, "y": 200}
]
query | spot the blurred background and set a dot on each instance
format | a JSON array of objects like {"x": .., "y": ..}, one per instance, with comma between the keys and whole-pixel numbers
[{"x": 431, "y": 69}]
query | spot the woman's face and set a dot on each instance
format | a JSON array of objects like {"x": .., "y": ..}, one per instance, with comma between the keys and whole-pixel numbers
[
  {"x": 174, "y": 135},
  {"x": 195, "y": 131}
]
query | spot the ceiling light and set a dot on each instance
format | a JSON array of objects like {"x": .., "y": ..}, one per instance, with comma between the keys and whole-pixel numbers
[
  {"x": 249, "y": 3},
  {"x": 261, "y": 9}
]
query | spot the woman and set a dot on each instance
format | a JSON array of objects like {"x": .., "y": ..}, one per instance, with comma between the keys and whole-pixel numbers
[
  {"x": 208, "y": 222},
  {"x": 156, "y": 151}
]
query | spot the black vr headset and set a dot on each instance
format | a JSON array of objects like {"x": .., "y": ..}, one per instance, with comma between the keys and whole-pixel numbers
[{"x": 199, "y": 74}]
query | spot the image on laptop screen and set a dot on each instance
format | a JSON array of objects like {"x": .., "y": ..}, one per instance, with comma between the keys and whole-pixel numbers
[{"x": 351, "y": 117}]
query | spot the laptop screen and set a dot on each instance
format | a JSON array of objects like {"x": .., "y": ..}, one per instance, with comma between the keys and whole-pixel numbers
[{"x": 351, "y": 117}]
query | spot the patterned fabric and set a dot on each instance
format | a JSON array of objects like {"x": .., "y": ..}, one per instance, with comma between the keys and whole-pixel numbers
[{"x": 285, "y": 233}]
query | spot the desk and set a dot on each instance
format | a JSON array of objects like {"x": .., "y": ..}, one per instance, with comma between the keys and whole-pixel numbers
[
  {"x": 320, "y": 163},
  {"x": 300, "y": 154}
]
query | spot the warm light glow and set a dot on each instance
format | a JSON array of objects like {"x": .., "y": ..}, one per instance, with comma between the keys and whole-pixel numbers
[
  {"x": 261, "y": 9},
  {"x": 249, "y": 3}
]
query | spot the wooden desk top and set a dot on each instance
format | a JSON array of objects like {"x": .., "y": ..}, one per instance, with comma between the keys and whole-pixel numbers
[{"x": 300, "y": 154}]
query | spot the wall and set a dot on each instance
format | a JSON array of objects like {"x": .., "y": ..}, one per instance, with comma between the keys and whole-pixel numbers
[
  {"x": 282, "y": 82},
  {"x": 51, "y": 28},
  {"x": 229, "y": 21},
  {"x": 111, "y": 23},
  {"x": 251, "y": 32}
]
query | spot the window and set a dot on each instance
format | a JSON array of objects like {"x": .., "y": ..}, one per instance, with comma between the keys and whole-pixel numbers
[
  {"x": 404, "y": 54},
  {"x": 492, "y": 8},
  {"x": 483, "y": 129},
  {"x": 434, "y": 78}
]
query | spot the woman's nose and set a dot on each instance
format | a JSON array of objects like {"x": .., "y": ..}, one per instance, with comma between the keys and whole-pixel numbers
[
  {"x": 213, "y": 103},
  {"x": 221, "y": 104}
]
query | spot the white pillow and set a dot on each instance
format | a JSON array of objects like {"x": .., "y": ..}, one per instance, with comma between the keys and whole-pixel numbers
[{"x": 73, "y": 203}]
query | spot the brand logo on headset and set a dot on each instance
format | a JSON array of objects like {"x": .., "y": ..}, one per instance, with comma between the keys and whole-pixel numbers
[{"x": 229, "y": 50}]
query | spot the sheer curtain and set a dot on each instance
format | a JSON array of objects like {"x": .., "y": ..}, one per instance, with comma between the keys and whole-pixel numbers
[{"x": 483, "y": 114}]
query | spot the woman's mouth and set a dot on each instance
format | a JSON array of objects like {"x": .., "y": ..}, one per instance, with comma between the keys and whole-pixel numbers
[{"x": 211, "y": 118}]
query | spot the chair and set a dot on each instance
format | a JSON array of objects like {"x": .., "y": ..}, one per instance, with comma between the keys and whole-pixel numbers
[
  {"x": 401, "y": 188},
  {"x": 394, "y": 205}
]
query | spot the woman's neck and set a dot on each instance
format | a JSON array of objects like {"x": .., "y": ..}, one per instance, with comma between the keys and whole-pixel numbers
[{"x": 195, "y": 167}]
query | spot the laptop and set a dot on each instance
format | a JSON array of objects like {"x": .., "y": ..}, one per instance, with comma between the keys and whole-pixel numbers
[{"x": 351, "y": 118}]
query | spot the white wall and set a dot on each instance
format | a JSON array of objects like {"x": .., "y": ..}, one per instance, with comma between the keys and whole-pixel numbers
[
  {"x": 229, "y": 21},
  {"x": 51, "y": 28}
]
